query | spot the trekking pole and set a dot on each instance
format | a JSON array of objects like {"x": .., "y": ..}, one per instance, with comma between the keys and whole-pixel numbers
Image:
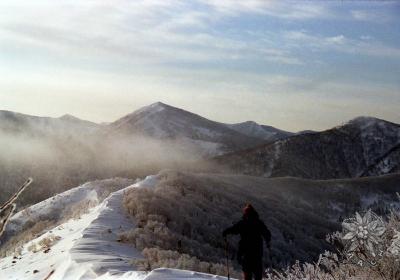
[
  {"x": 268, "y": 256},
  {"x": 270, "y": 264},
  {"x": 227, "y": 257},
  {"x": 270, "y": 259}
]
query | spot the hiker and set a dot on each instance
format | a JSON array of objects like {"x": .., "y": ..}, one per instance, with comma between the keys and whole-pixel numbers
[{"x": 252, "y": 232}]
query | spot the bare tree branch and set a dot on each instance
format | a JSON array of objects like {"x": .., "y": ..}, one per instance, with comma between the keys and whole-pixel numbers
[{"x": 8, "y": 208}]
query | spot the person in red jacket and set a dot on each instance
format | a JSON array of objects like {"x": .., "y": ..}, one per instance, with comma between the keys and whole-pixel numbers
[{"x": 252, "y": 232}]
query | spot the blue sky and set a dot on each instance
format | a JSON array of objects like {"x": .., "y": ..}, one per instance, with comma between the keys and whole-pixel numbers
[{"x": 294, "y": 65}]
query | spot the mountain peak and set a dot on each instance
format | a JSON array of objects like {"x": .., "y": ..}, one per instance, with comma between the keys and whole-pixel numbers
[
  {"x": 68, "y": 117},
  {"x": 72, "y": 120},
  {"x": 151, "y": 109},
  {"x": 364, "y": 121},
  {"x": 158, "y": 104},
  {"x": 251, "y": 123},
  {"x": 143, "y": 114}
]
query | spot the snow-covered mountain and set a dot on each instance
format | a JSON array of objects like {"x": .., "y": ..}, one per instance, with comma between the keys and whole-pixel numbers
[
  {"x": 253, "y": 129},
  {"x": 363, "y": 146},
  {"x": 162, "y": 121}
]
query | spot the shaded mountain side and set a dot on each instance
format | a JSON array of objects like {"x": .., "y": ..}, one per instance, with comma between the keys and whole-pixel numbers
[
  {"x": 388, "y": 162},
  {"x": 299, "y": 212},
  {"x": 346, "y": 151}
]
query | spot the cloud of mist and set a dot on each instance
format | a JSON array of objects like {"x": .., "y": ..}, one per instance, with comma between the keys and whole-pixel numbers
[
  {"x": 22, "y": 148},
  {"x": 59, "y": 159}
]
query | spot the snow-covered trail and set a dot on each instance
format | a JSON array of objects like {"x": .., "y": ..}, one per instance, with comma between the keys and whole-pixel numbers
[
  {"x": 87, "y": 248},
  {"x": 176, "y": 274},
  {"x": 98, "y": 245}
]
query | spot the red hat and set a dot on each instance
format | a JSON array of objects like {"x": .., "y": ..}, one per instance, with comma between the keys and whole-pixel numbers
[{"x": 249, "y": 210}]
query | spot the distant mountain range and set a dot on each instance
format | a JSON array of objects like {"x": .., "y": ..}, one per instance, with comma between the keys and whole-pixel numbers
[
  {"x": 16, "y": 123},
  {"x": 158, "y": 121},
  {"x": 364, "y": 146}
]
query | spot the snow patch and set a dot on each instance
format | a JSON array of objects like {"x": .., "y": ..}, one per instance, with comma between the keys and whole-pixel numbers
[
  {"x": 151, "y": 109},
  {"x": 175, "y": 274},
  {"x": 275, "y": 156}
]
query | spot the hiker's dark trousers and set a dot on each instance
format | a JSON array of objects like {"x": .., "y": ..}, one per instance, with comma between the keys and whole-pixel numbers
[{"x": 252, "y": 268}]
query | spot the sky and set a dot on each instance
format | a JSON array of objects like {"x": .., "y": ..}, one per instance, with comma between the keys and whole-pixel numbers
[{"x": 294, "y": 65}]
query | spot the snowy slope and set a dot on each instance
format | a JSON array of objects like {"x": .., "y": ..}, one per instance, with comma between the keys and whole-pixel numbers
[
  {"x": 85, "y": 248},
  {"x": 54, "y": 208},
  {"x": 161, "y": 121},
  {"x": 39, "y": 265},
  {"x": 256, "y": 130}
]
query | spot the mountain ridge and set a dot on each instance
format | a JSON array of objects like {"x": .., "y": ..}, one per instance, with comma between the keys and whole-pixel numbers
[
  {"x": 345, "y": 151},
  {"x": 266, "y": 132}
]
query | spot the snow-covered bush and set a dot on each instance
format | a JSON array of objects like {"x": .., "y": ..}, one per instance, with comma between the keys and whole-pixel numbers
[
  {"x": 299, "y": 271},
  {"x": 44, "y": 244},
  {"x": 155, "y": 258},
  {"x": 367, "y": 248}
]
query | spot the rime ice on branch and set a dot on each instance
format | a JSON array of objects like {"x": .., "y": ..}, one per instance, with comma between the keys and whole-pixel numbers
[{"x": 7, "y": 209}]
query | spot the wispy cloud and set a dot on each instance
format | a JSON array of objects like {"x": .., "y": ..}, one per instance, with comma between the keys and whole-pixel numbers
[
  {"x": 364, "y": 15},
  {"x": 376, "y": 16},
  {"x": 135, "y": 31},
  {"x": 279, "y": 9},
  {"x": 366, "y": 45}
]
